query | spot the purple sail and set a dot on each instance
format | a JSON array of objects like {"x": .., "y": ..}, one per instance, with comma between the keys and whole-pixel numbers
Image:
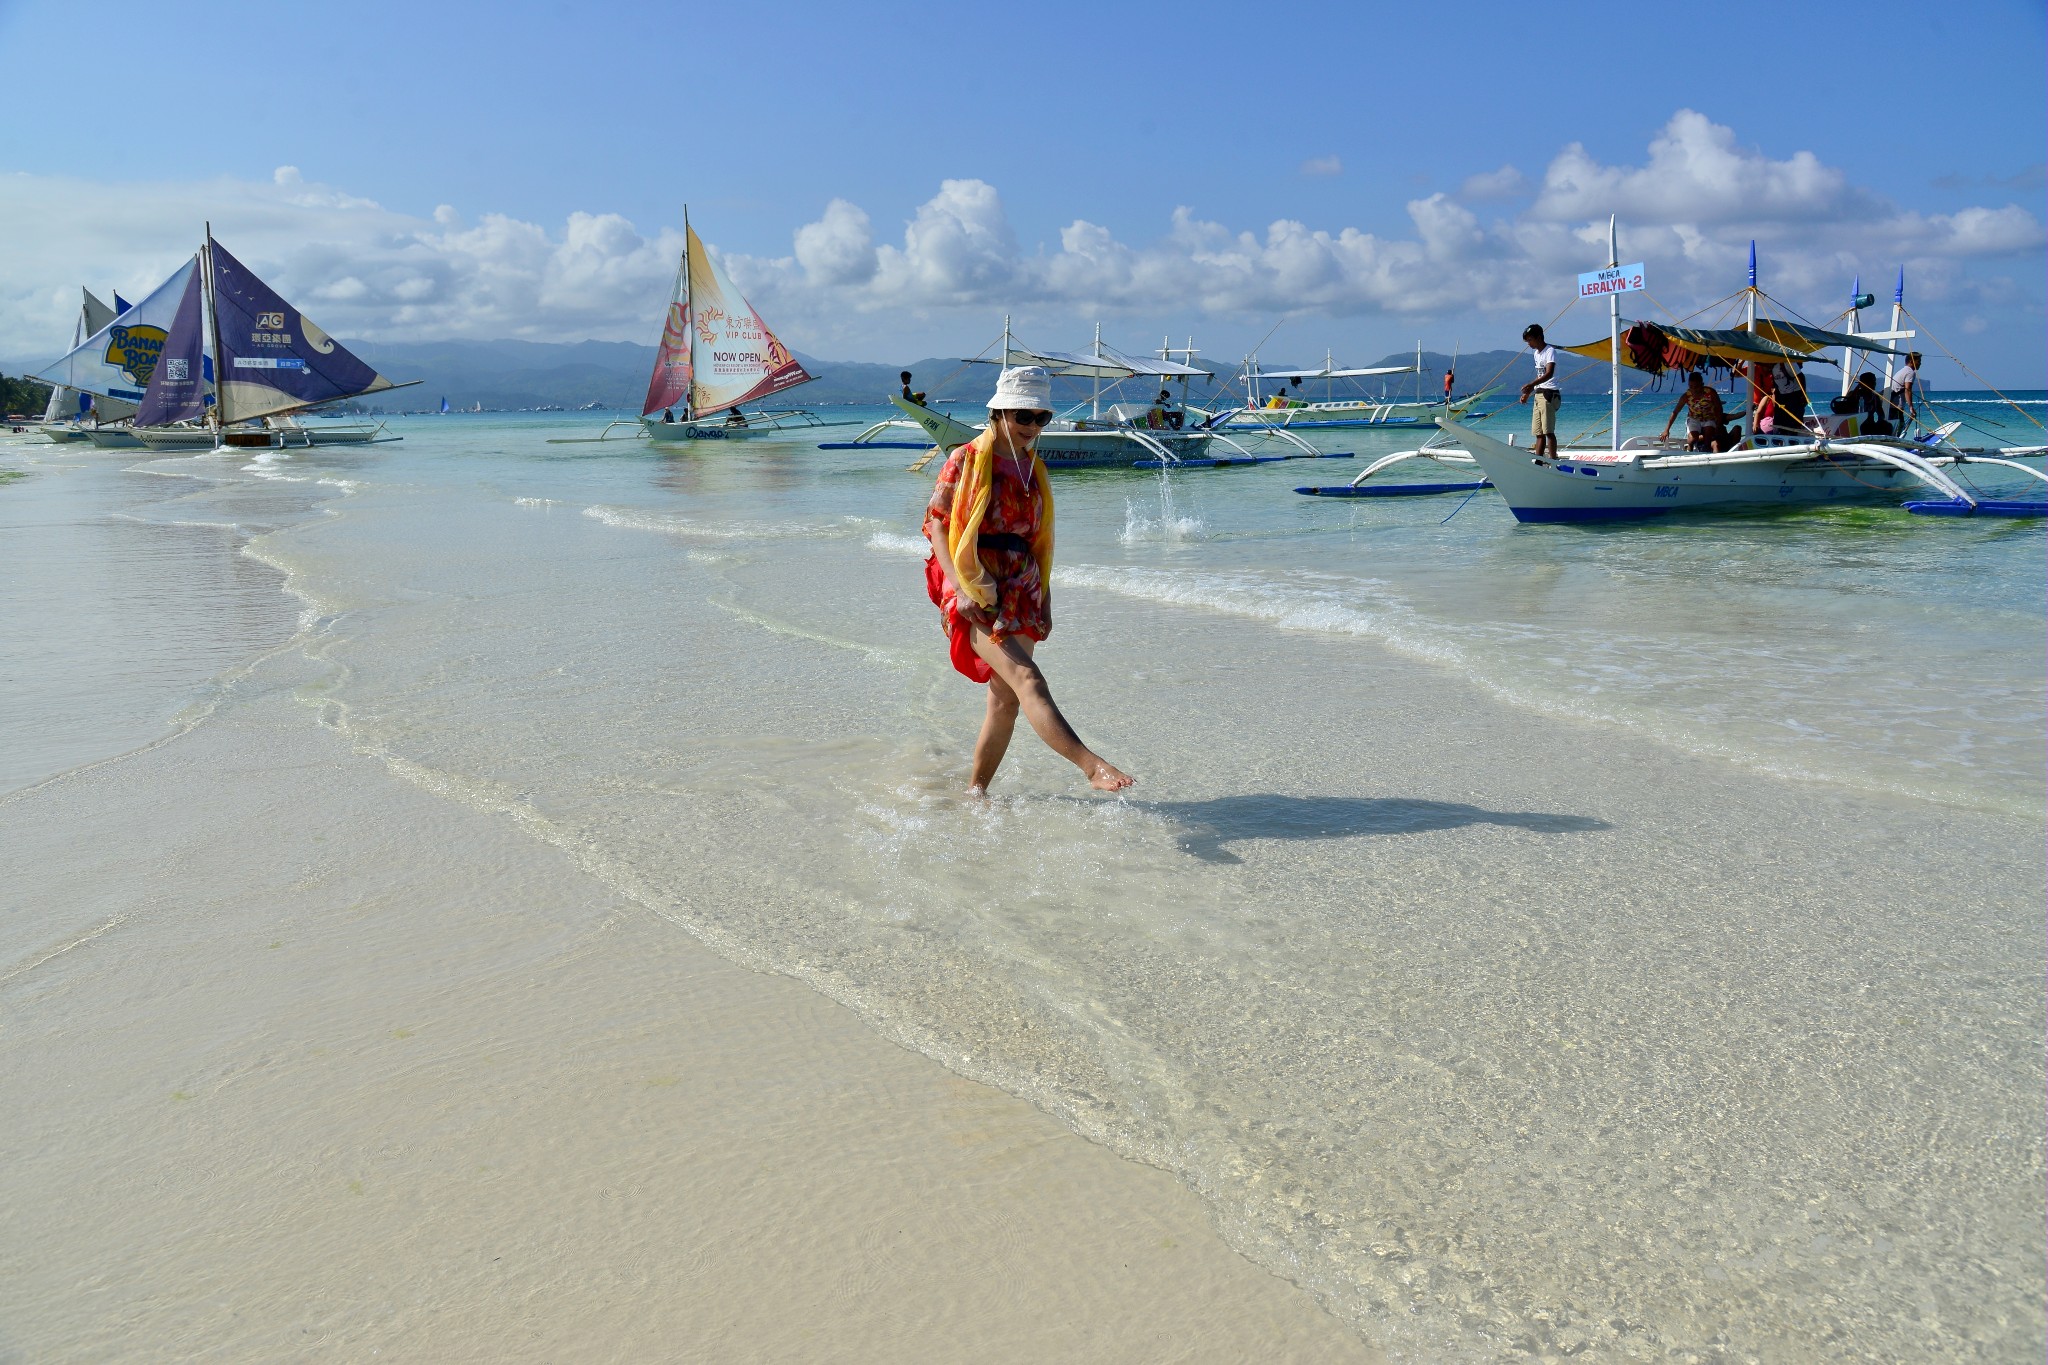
[
  {"x": 273, "y": 358},
  {"x": 177, "y": 387}
]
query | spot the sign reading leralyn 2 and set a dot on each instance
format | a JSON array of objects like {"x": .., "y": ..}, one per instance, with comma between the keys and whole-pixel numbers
[{"x": 1616, "y": 279}]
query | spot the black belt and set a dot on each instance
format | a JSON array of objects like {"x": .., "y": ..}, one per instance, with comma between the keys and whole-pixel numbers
[{"x": 1003, "y": 540}]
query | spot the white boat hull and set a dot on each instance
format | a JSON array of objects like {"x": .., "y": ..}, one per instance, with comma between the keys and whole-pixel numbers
[
  {"x": 1346, "y": 416},
  {"x": 1066, "y": 445},
  {"x": 62, "y": 433},
  {"x": 1602, "y": 485}
]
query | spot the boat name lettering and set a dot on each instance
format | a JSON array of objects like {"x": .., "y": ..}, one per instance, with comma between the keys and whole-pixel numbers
[{"x": 1617, "y": 279}]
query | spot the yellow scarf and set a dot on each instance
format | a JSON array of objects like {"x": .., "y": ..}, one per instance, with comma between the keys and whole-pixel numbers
[{"x": 971, "y": 499}]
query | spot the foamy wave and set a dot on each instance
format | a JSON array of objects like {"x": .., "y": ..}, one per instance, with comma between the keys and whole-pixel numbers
[
  {"x": 536, "y": 502},
  {"x": 633, "y": 519},
  {"x": 889, "y": 542}
]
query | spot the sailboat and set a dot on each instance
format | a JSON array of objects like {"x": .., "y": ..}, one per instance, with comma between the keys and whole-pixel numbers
[
  {"x": 65, "y": 418},
  {"x": 715, "y": 355},
  {"x": 270, "y": 361}
]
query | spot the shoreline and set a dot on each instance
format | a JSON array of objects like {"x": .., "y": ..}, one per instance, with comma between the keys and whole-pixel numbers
[{"x": 1658, "y": 935}]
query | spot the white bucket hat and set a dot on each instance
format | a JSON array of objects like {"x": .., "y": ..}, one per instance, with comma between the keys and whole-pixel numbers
[{"x": 1027, "y": 388}]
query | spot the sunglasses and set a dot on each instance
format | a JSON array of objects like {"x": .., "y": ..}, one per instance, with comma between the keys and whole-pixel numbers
[{"x": 1029, "y": 419}]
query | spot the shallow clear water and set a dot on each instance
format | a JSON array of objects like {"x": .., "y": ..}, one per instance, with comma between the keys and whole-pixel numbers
[{"x": 1528, "y": 939}]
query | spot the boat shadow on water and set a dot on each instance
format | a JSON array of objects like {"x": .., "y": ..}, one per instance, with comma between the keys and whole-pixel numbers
[{"x": 1209, "y": 826}]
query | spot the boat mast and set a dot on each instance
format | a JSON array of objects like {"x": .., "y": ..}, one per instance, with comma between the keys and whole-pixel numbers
[
  {"x": 1749, "y": 321},
  {"x": 220, "y": 357},
  {"x": 1095, "y": 397},
  {"x": 1855, "y": 322},
  {"x": 690, "y": 412},
  {"x": 1614, "y": 339},
  {"x": 1898, "y": 311}
]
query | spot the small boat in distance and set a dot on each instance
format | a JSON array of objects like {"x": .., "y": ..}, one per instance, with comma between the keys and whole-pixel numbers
[
  {"x": 716, "y": 354},
  {"x": 1338, "y": 411},
  {"x": 1099, "y": 431}
]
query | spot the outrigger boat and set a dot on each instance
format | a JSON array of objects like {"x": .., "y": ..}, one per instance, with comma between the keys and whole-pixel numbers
[
  {"x": 1334, "y": 412},
  {"x": 1095, "y": 433},
  {"x": 716, "y": 354},
  {"x": 1829, "y": 460},
  {"x": 277, "y": 362}
]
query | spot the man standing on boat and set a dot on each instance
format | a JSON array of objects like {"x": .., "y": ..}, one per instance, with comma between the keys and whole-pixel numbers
[
  {"x": 1902, "y": 390},
  {"x": 1543, "y": 390}
]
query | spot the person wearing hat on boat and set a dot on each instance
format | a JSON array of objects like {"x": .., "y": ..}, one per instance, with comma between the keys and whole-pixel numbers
[
  {"x": 1543, "y": 391},
  {"x": 990, "y": 525}
]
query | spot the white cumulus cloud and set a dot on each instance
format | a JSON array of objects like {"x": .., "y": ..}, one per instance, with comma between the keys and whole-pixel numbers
[{"x": 1688, "y": 208}]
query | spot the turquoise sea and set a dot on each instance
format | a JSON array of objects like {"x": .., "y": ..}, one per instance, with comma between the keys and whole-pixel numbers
[{"x": 1617, "y": 942}]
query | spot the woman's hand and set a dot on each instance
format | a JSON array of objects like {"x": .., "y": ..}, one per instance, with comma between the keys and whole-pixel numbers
[{"x": 973, "y": 613}]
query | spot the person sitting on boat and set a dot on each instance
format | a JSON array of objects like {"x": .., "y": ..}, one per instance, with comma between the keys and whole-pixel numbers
[
  {"x": 1902, "y": 390},
  {"x": 735, "y": 418},
  {"x": 908, "y": 396},
  {"x": 1788, "y": 385},
  {"x": 1544, "y": 393},
  {"x": 1706, "y": 421},
  {"x": 668, "y": 415},
  {"x": 990, "y": 525},
  {"x": 1868, "y": 406}
]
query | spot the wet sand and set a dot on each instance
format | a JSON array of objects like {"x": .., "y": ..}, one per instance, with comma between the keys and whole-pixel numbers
[{"x": 376, "y": 1074}]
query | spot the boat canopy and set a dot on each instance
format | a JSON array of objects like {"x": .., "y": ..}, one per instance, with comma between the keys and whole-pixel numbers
[
  {"x": 1800, "y": 337},
  {"x": 1654, "y": 348},
  {"x": 1274, "y": 371},
  {"x": 1108, "y": 365}
]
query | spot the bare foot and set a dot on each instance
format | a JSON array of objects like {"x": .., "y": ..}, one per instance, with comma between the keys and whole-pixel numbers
[
  {"x": 1108, "y": 779},
  {"x": 977, "y": 792}
]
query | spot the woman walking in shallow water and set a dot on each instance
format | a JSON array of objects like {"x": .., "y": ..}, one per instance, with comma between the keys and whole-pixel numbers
[{"x": 990, "y": 528}]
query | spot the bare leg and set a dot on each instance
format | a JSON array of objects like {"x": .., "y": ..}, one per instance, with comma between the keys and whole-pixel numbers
[
  {"x": 1015, "y": 669},
  {"x": 996, "y": 728}
]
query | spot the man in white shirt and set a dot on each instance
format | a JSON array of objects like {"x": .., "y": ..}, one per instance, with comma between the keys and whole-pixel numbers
[
  {"x": 1902, "y": 389},
  {"x": 1543, "y": 390}
]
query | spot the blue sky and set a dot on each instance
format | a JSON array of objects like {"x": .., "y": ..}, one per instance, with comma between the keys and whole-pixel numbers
[{"x": 887, "y": 180}]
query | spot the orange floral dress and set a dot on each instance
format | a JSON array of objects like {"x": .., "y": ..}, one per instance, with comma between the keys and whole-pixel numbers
[{"x": 1023, "y": 605}]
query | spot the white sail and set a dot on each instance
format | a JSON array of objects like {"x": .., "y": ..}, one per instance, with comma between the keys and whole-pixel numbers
[
  {"x": 116, "y": 361},
  {"x": 734, "y": 358}
]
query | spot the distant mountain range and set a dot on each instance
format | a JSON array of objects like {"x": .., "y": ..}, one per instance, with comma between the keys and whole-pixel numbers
[
  {"x": 509, "y": 375},
  {"x": 528, "y": 374}
]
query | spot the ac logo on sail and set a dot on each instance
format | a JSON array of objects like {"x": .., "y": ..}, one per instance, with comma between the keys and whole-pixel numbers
[{"x": 134, "y": 351}]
